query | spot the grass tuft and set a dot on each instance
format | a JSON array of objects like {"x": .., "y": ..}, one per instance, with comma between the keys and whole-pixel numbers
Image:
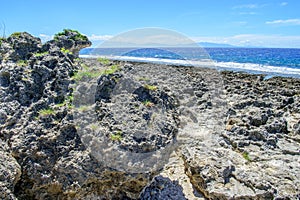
[
  {"x": 112, "y": 69},
  {"x": 143, "y": 79},
  {"x": 104, "y": 61},
  {"x": 71, "y": 34},
  {"x": 65, "y": 51},
  {"x": 22, "y": 63},
  {"x": 117, "y": 136},
  {"x": 41, "y": 54},
  {"x": 246, "y": 156},
  {"x": 86, "y": 75},
  {"x": 148, "y": 103},
  {"x": 46, "y": 112},
  {"x": 16, "y": 35},
  {"x": 150, "y": 87}
]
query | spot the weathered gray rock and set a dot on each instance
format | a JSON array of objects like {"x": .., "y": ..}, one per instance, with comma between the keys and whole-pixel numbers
[
  {"x": 162, "y": 188},
  {"x": 23, "y": 46},
  {"x": 10, "y": 172},
  {"x": 237, "y": 143},
  {"x": 36, "y": 120},
  {"x": 265, "y": 134},
  {"x": 70, "y": 40}
]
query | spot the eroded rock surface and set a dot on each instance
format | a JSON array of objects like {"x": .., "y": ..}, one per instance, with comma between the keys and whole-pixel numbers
[
  {"x": 42, "y": 156},
  {"x": 257, "y": 156},
  {"x": 163, "y": 188},
  {"x": 87, "y": 129}
]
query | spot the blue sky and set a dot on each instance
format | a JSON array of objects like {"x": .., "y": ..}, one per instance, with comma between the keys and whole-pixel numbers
[{"x": 273, "y": 23}]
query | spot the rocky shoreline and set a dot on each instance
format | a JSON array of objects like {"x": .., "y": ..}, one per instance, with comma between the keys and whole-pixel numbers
[{"x": 75, "y": 128}]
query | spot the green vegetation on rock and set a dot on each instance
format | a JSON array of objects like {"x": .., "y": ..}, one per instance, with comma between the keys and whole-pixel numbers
[
  {"x": 16, "y": 34},
  {"x": 86, "y": 74},
  {"x": 143, "y": 79},
  {"x": 41, "y": 54},
  {"x": 71, "y": 98},
  {"x": 1, "y": 40},
  {"x": 104, "y": 61},
  {"x": 246, "y": 156},
  {"x": 150, "y": 87},
  {"x": 46, "y": 112},
  {"x": 65, "y": 51},
  {"x": 62, "y": 104},
  {"x": 112, "y": 69},
  {"x": 148, "y": 103},
  {"x": 116, "y": 136},
  {"x": 22, "y": 63},
  {"x": 70, "y": 34},
  {"x": 89, "y": 73}
]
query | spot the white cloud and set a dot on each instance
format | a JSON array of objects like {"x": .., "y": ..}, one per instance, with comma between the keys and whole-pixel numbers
[
  {"x": 285, "y": 22},
  {"x": 45, "y": 37},
  {"x": 250, "y": 6},
  {"x": 94, "y": 37},
  {"x": 247, "y": 13},
  {"x": 283, "y": 3},
  {"x": 245, "y": 40}
]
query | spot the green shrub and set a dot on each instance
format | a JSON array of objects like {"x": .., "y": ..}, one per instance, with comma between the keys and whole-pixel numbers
[
  {"x": 1, "y": 40},
  {"x": 41, "y": 54},
  {"x": 117, "y": 136},
  {"x": 70, "y": 106},
  {"x": 61, "y": 104},
  {"x": 16, "y": 34},
  {"x": 111, "y": 70},
  {"x": 65, "y": 51},
  {"x": 86, "y": 74},
  {"x": 46, "y": 112},
  {"x": 69, "y": 35},
  {"x": 70, "y": 98},
  {"x": 148, "y": 103},
  {"x": 89, "y": 73},
  {"x": 104, "y": 61},
  {"x": 246, "y": 156},
  {"x": 143, "y": 79},
  {"x": 77, "y": 59},
  {"x": 22, "y": 63},
  {"x": 150, "y": 87}
]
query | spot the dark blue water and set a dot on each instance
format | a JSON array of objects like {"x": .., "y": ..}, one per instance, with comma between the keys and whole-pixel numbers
[
  {"x": 265, "y": 56},
  {"x": 276, "y": 61}
]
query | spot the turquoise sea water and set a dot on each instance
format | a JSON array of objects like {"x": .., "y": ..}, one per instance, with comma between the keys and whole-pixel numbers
[{"x": 271, "y": 61}]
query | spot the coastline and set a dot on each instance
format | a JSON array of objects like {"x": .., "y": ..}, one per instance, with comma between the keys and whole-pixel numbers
[
  {"x": 250, "y": 68},
  {"x": 270, "y": 61},
  {"x": 94, "y": 128}
]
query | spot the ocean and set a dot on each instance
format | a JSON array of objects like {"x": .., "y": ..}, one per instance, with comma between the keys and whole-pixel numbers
[{"x": 270, "y": 61}]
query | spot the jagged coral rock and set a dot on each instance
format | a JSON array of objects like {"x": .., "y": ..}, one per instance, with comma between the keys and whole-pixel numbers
[
  {"x": 23, "y": 45},
  {"x": 238, "y": 143},
  {"x": 68, "y": 39},
  {"x": 10, "y": 172}
]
